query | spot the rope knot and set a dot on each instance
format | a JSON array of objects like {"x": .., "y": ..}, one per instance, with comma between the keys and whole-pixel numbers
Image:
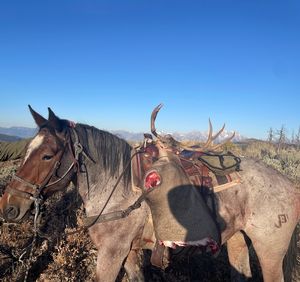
[{"x": 78, "y": 149}]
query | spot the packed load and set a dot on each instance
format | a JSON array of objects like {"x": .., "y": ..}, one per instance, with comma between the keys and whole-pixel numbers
[{"x": 176, "y": 181}]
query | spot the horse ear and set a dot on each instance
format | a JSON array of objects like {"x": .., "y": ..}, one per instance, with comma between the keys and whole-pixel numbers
[
  {"x": 51, "y": 115},
  {"x": 39, "y": 120},
  {"x": 55, "y": 121}
]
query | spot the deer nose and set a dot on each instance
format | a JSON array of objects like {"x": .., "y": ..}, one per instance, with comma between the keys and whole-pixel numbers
[{"x": 11, "y": 212}]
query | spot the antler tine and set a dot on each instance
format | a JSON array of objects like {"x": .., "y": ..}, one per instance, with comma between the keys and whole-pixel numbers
[
  {"x": 212, "y": 138},
  {"x": 167, "y": 140},
  {"x": 217, "y": 146},
  {"x": 219, "y": 132},
  {"x": 209, "y": 138},
  {"x": 208, "y": 144},
  {"x": 153, "y": 117}
]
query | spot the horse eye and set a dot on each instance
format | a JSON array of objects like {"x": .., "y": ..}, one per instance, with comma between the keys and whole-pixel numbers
[{"x": 47, "y": 157}]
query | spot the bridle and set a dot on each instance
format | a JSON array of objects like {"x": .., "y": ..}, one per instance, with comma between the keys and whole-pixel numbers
[{"x": 36, "y": 196}]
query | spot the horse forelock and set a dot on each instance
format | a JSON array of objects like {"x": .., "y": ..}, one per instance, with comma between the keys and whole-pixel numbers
[
  {"x": 46, "y": 135},
  {"x": 108, "y": 150}
]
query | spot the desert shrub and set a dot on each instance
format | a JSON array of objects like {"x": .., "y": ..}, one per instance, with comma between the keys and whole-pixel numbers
[
  {"x": 286, "y": 160},
  {"x": 260, "y": 149},
  {"x": 232, "y": 147}
]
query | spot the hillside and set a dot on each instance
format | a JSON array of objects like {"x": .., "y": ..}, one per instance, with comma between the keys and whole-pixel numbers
[
  {"x": 22, "y": 132},
  {"x": 8, "y": 138}
]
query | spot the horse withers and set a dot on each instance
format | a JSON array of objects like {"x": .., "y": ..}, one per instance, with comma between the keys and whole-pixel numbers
[{"x": 265, "y": 206}]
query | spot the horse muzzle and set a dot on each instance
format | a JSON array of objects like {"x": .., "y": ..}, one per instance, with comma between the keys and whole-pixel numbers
[{"x": 13, "y": 209}]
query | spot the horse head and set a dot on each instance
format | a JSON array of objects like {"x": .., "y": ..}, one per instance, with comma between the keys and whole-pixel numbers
[{"x": 48, "y": 166}]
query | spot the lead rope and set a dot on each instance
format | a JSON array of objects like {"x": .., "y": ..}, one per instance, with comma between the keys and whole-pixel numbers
[{"x": 37, "y": 203}]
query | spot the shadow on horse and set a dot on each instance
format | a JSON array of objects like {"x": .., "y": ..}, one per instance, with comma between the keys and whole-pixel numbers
[{"x": 264, "y": 207}]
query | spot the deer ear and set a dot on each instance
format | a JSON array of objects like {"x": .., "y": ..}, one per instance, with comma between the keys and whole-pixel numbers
[{"x": 39, "y": 120}]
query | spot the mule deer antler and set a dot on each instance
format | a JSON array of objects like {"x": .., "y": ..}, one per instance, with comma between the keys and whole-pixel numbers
[{"x": 208, "y": 146}]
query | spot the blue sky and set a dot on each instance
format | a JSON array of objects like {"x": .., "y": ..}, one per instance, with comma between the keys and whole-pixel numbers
[{"x": 109, "y": 63}]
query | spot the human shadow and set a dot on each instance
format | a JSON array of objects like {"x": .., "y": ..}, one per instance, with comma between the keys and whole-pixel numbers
[{"x": 199, "y": 226}]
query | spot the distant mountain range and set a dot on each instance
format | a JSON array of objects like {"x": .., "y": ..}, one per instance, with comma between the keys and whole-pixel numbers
[
  {"x": 21, "y": 132},
  {"x": 25, "y": 132},
  {"x": 180, "y": 136},
  {"x": 8, "y": 138}
]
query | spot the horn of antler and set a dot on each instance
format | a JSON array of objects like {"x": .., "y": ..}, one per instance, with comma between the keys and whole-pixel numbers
[
  {"x": 168, "y": 140},
  {"x": 153, "y": 118},
  {"x": 208, "y": 146}
]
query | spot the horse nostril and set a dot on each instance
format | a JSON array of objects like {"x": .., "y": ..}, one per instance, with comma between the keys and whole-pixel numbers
[{"x": 11, "y": 212}]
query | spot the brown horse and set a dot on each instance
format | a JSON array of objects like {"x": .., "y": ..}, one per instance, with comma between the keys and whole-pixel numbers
[{"x": 265, "y": 206}]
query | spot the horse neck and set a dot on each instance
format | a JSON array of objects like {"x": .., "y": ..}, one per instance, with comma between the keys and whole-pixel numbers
[{"x": 96, "y": 180}]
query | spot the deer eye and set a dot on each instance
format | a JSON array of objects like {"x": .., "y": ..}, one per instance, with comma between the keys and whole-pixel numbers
[{"x": 47, "y": 157}]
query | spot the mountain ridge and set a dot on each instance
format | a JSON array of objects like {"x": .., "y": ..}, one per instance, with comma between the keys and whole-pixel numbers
[
  {"x": 18, "y": 131},
  {"x": 9, "y": 138},
  {"x": 27, "y": 132}
]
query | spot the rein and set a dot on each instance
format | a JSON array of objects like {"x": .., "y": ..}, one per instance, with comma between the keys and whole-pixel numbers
[
  {"x": 91, "y": 220},
  {"x": 115, "y": 215}
]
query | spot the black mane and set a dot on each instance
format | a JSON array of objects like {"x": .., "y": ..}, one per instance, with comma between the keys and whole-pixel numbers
[{"x": 105, "y": 148}]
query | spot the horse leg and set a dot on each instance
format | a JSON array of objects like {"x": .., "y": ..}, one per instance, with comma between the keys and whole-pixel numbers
[
  {"x": 271, "y": 249},
  {"x": 114, "y": 241},
  {"x": 238, "y": 255},
  {"x": 270, "y": 262},
  {"x": 132, "y": 267},
  {"x": 109, "y": 262}
]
